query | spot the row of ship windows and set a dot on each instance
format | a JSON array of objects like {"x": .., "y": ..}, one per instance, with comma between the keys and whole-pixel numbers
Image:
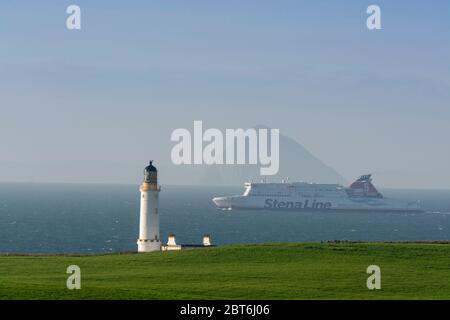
[
  {"x": 278, "y": 194},
  {"x": 283, "y": 195},
  {"x": 317, "y": 190},
  {"x": 271, "y": 195}
]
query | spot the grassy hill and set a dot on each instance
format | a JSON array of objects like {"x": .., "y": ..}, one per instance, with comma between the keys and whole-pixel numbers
[{"x": 270, "y": 271}]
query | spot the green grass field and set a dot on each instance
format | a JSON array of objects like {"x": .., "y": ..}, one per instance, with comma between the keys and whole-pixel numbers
[{"x": 271, "y": 271}]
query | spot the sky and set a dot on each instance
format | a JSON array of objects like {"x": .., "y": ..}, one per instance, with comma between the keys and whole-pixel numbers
[{"x": 94, "y": 105}]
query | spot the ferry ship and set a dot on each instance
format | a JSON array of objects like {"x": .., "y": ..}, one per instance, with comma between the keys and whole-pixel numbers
[{"x": 302, "y": 196}]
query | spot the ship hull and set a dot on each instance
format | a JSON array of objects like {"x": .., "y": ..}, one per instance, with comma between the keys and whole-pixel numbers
[
  {"x": 315, "y": 205},
  {"x": 331, "y": 210}
]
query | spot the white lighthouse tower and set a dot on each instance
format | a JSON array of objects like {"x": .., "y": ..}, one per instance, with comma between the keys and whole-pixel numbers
[{"x": 149, "y": 222}]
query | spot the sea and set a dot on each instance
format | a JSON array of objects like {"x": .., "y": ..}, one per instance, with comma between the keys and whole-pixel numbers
[{"x": 94, "y": 218}]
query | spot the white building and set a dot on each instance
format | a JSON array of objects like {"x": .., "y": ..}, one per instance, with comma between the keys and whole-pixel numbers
[
  {"x": 171, "y": 244},
  {"x": 206, "y": 240},
  {"x": 149, "y": 220}
]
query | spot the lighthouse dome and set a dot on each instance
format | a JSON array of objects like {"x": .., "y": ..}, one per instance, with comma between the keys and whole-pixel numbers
[{"x": 151, "y": 168}]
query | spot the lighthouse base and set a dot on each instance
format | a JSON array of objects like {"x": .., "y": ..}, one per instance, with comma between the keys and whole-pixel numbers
[{"x": 148, "y": 245}]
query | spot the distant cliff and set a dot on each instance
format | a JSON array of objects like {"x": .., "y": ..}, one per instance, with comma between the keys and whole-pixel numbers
[{"x": 296, "y": 163}]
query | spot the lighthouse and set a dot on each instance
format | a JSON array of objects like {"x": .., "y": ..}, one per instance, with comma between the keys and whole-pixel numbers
[{"x": 149, "y": 220}]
